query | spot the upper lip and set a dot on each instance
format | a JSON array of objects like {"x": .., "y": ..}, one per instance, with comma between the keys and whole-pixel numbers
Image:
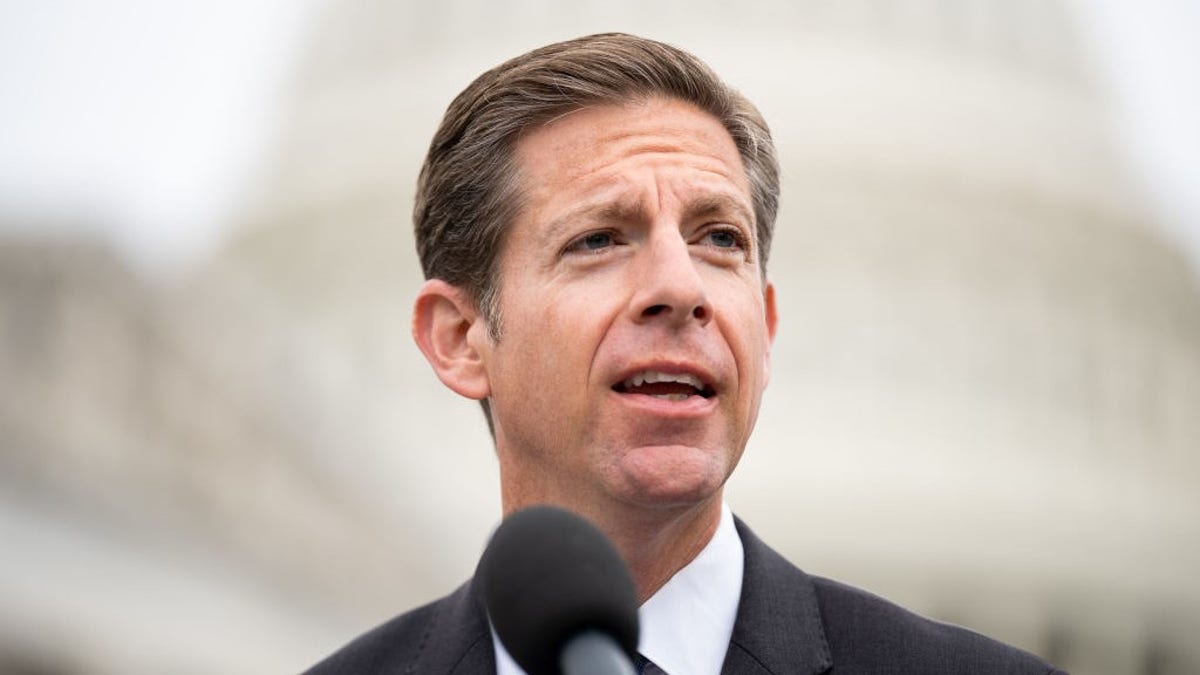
[{"x": 685, "y": 372}]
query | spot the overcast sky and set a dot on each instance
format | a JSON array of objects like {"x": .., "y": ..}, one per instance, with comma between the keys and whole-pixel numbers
[
  {"x": 1150, "y": 55},
  {"x": 143, "y": 119},
  {"x": 147, "y": 116}
]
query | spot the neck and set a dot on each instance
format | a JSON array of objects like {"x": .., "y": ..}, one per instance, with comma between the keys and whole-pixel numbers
[
  {"x": 655, "y": 551},
  {"x": 655, "y": 542}
]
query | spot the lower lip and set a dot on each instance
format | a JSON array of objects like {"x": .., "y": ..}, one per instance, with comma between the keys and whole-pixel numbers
[{"x": 692, "y": 406}]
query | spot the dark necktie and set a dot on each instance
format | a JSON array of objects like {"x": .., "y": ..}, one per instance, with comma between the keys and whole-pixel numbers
[{"x": 644, "y": 666}]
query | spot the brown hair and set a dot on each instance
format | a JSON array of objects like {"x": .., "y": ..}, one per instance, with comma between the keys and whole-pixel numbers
[{"x": 468, "y": 192}]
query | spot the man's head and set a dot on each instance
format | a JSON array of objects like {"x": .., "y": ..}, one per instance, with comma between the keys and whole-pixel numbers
[
  {"x": 470, "y": 187},
  {"x": 613, "y": 201}
]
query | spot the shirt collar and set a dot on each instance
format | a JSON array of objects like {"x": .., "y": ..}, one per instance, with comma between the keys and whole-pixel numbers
[{"x": 686, "y": 625}]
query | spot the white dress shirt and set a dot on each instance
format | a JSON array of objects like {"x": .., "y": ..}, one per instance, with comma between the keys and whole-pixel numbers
[{"x": 686, "y": 625}]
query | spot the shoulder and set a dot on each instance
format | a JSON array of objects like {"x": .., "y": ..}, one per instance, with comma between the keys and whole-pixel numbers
[
  {"x": 864, "y": 629},
  {"x": 790, "y": 621},
  {"x": 449, "y": 635},
  {"x": 386, "y": 647}
]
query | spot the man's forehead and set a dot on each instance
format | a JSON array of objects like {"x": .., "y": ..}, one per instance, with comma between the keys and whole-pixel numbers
[
  {"x": 663, "y": 124},
  {"x": 596, "y": 147},
  {"x": 630, "y": 206}
]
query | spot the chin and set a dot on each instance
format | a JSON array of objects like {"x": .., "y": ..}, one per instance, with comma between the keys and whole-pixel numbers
[{"x": 672, "y": 476}]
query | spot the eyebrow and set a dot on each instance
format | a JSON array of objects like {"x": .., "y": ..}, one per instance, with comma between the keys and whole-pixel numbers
[
  {"x": 632, "y": 210},
  {"x": 619, "y": 210},
  {"x": 718, "y": 204}
]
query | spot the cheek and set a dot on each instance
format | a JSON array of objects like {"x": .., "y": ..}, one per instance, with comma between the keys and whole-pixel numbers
[
  {"x": 747, "y": 337},
  {"x": 551, "y": 347}
]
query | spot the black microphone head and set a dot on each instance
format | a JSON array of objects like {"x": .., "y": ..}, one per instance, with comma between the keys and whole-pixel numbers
[{"x": 549, "y": 575}]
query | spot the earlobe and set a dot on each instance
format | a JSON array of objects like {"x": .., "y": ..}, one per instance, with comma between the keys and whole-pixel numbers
[
  {"x": 772, "y": 319},
  {"x": 444, "y": 320},
  {"x": 769, "y": 310}
]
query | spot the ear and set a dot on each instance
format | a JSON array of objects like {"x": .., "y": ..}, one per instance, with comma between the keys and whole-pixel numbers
[
  {"x": 450, "y": 332},
  {"x": 772, "y": 319}
]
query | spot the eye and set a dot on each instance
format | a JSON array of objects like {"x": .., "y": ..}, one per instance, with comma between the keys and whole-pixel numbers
[
  {"x": 592, "y": 241},
  {"x": 725, "y": 237}
]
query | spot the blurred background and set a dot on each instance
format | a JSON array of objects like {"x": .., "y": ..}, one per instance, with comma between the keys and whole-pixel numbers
[{"x": 220, "y": 451}]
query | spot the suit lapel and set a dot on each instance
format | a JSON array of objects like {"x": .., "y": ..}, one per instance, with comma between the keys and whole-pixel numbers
[
  {"x": 778, "y": 628},
  {"x": 458, "y": 640}
]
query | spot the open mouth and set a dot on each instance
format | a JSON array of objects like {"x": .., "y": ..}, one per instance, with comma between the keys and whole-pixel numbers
[{"x": 667, "y": 386}]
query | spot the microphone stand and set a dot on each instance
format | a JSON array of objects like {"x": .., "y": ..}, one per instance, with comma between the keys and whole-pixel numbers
[{"x": 594, "y": 653}]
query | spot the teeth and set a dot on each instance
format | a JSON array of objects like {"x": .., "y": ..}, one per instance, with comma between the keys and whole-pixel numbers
[
  {"x": 672, "y": 397},
  {"x": 653, "y": 376}
]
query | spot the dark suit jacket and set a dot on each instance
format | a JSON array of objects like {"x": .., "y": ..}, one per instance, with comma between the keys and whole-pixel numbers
[{"x": 788, "y": 623}]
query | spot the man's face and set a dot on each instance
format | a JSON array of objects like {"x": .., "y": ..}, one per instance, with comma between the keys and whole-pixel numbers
[{"x": 636, "y": 325}]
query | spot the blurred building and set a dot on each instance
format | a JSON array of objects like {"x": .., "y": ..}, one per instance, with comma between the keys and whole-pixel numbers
[{"x": 983, "y": 398}]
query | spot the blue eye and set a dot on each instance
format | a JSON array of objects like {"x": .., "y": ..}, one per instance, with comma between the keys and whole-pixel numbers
[
  {"x": 725, "y": 238},
  {"x": 597, "y": 240},
  {"x": 593, "y": 242}
]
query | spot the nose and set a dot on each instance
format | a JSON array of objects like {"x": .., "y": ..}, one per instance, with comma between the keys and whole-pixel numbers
[{"x": 668, "y": 286}]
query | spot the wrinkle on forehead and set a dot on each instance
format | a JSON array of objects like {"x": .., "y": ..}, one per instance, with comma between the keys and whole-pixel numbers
[
  {"x": 626, "y": 207},
  {"x": 652, "y": 132},
  {"x": 610, "y": 162},
  {"x": 623, "y": 206}
]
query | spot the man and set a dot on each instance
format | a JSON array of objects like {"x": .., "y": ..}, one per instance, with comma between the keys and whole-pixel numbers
[{"x": 593, "y": 219}]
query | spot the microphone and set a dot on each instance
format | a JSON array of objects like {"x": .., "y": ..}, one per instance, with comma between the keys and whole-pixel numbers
[{"x": 559, "y": 596}]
